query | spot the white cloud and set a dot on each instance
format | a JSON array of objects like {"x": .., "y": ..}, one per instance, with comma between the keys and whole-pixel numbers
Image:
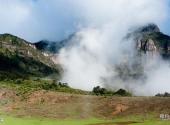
[
  {"x": 101, "y": 23},
  {"x": 56, "y": 19},
  {"x": 100, "y": 45},
  {"x": 12, "y": 15}
]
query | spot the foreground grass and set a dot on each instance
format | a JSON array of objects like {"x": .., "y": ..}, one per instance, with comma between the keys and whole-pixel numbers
[
  {"x": 32, "y": 121},
  {"x": 9, "y": 120}
]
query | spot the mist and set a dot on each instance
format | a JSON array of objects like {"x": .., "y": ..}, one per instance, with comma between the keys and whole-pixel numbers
[{"x": 99, "y": 47}]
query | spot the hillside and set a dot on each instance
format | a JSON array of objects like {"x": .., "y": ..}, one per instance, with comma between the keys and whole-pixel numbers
[
  {"x": 21, "y": 59},
  {"x": 53, "y": 46},
  {"x": 48, "y": 104}
]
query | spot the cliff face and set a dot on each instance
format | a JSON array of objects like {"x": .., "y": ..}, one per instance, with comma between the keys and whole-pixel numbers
[
  {"x": 149, "y": 39},
  {"x": 150, "y": 43}
]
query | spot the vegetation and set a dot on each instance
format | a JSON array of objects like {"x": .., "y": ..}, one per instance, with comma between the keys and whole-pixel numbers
[
  {"x": 166, "y": 94},
  {"x": 25, "y": 86},
  {"x": 92, "y": 121},
  {"x": 34, "y": 121},
  {"x": 20, "y": 59},
  {"x": 122, "y": 92},
  {"x": 103, "y": 91},
  {"x": 14, "y": 67},
  {"x": 53, "y": 46}
]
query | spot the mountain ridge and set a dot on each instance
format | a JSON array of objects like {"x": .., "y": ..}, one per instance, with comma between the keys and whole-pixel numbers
[
  {"x": 147, "y": 38},
  {"x": 23, "y": 58},
  {"x": 20, "y": 58}
]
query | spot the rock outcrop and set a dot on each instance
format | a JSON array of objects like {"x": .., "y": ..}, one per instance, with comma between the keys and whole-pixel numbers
[{"x": 149, "y": 39}]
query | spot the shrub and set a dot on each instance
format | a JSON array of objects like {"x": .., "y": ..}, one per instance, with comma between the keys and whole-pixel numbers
[
  {"x": 103, "y": 91},
  {"x": 122, "y": 92},
  {"x": 166, "y": 94}
]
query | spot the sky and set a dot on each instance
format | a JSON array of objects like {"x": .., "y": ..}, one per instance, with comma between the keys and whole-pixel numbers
[
  {"x": 100, "y": 26},
  {"x": 35, "y": 20}
]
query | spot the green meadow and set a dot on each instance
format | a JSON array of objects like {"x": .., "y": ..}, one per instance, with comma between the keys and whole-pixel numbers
[
  {"x": 38, "y": 121},
  {"x": 9, "y": 120}
]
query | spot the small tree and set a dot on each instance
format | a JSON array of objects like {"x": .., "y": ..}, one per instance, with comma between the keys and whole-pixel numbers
[
  {"x": 122, "y": 92},
  {"x": 99, "y": 91}
]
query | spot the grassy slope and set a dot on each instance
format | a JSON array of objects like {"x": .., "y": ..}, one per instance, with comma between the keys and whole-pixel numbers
[{"x": 21, "y": 104}]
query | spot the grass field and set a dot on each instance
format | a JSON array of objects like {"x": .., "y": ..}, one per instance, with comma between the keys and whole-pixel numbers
[{"x": 32, "y": 121}]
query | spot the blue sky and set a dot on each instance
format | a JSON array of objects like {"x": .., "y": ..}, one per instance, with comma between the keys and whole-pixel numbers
[
  {"x": 165, "y": 27},
  {"x": 56, "y": 19}
]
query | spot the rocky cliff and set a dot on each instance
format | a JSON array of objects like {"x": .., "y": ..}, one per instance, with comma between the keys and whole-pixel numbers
[{"x": 149, "y": 39}]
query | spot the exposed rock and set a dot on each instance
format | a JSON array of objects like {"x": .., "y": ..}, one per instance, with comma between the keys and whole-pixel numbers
[
  {"x": 148, "y": 45},
  {"x": 149, "y": 39}
]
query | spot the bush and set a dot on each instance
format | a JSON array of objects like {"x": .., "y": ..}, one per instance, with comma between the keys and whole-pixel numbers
[
  {"x": 103, "y": 91},
  {"x": 65, "y": 85},
  {"x": 98, "y": 91},
  {"x": 122, "y": 92},
  {"x": 166, "y": 94}
]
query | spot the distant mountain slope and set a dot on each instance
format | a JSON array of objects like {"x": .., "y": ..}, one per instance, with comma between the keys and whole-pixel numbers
[
  {"x": 52, "y": 46},
  {"x": 19, "y": 58}
]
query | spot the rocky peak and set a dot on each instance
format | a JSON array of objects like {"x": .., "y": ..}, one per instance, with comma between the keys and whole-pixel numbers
[
  {"x": 149, "y": 38},
  {"x": 148, "y": 45},
  {"x": 149, "y": 28}
]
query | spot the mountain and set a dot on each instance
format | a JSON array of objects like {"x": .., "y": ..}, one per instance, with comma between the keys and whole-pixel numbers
[
  {"x": 21, "y": 59},
  {"x": 149, "y": 39},
  {"x": 53, "y": 46},
  {"x": 149, "y": 42}
]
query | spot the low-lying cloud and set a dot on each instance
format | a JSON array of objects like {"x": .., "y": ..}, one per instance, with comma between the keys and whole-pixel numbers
[{"x": 99, "y": 47}]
